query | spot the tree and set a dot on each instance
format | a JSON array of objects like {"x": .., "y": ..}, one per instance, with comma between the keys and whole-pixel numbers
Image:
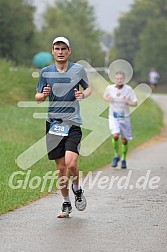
[
  {"x": 153, "y": 52},
  {"x": 139, "y": 34},
  {"x": 130, "y": 27},
  {"x": 17, "y": 30},
  {"x": 75, "y": 20}
]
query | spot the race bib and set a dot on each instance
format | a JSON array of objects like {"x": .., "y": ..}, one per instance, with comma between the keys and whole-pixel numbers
[
  {"x": 59, "y": 129},
  {"x": 120, "y": 115}
]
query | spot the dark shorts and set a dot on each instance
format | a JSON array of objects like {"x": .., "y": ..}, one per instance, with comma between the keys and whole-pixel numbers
[{"x": 58, "y": 145}]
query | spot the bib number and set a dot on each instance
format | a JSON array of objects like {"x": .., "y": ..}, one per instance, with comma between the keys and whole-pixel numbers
[
  {"x": 120, "y": 115},
  {"x": 59, "y": 129}
]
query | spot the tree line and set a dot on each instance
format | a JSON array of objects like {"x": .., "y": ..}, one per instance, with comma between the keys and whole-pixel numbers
[
  {"x": 139, "y": 38},
  {"x": 75, "y": 19},
  {"x": 17, "y": 30}
]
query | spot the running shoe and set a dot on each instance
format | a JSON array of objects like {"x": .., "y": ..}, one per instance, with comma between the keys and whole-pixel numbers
[
  {"x": 123, "y": 164},
  {"x": 115, "y": 161},
  {"x": 66, "y": 208},
  {"x": 80, "y": 200}
]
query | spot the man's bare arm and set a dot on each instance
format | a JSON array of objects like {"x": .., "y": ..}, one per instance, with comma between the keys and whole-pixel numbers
[{"x": 40, "y": 97}]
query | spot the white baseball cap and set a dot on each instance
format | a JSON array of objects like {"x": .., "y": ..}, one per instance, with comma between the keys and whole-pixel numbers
[{"x": 61, "y": 39}]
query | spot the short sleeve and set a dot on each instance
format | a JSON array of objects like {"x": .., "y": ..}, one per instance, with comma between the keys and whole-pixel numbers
[
  {"x": 107, "y": 91},
  {"x": 84, "y": 78},
  {"x": 132, "y": 96},
  {"x": 41, "y": 83}
]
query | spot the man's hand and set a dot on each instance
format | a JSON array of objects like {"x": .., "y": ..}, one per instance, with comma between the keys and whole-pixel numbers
[
  {"x": 129, "y": 103},
  {"x": 40, "y": 97},
  {"x": 108, "y": 98},
  {"x": 123, "y": 99},
  {"x": 78, "y": 95},
  {"x": 46, "y": 90}
]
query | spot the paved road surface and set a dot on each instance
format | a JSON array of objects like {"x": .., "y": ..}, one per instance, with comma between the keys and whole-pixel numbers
[{"x": 118, "y": 220}]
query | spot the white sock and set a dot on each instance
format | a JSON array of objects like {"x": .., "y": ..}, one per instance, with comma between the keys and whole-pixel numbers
[
  {"x": 76, "y": 187},
  {"x": 66, "y": 199}
]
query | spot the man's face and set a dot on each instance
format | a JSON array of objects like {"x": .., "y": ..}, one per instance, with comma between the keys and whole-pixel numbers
[
  {"x": 119, "y": 79},
  {"x": 61, "y": 52}
]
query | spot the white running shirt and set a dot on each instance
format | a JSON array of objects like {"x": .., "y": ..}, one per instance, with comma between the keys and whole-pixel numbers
[
  {"x": 119, "y": 119},
  {"x": 117, "y": 105}
]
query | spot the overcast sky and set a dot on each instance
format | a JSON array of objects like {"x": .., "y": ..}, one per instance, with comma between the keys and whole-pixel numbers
[{"x": 107, "y": 11}]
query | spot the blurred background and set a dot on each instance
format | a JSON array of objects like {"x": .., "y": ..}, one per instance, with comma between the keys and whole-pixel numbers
[{"x": 99, "y": 31}]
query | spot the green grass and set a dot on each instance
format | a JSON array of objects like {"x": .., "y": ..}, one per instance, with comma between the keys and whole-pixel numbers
[{"x": 19, "y": 130}]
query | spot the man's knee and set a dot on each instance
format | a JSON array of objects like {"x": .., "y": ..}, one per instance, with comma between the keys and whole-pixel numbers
[
  {"x": 124, "y": 141},
  {"x": 72, "y": 166},
  {"x": 116, "y": 137},
  {"x": 61, "y": 167}
]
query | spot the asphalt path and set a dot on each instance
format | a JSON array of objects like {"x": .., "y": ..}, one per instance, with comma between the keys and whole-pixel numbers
[{"x": 126, "y": 211}]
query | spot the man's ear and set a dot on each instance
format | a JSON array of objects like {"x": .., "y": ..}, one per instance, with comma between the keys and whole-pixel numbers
[{"x": 70, "y": 51}]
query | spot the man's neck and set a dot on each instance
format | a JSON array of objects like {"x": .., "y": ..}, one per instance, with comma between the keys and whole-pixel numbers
[
  {"x": 62, "y": 66},
  {"x": 119, "y": 86}
]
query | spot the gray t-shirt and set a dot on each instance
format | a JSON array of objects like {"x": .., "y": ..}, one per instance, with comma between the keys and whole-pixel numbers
[{"x": 62, "y": 102}]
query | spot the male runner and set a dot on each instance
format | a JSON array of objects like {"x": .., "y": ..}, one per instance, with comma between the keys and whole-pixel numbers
[
  {"x": 61, "y": 83},
  {"x": 120, "y": 96},
  {"x": 153, "y": 79}
]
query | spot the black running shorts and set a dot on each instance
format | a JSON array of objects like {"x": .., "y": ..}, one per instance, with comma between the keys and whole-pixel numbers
[{"x": 58, "y": 145}]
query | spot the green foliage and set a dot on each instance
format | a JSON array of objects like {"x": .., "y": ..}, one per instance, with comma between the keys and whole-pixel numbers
[
  {"x": 130, "y": 28},
  {"x": 75, "y": 20},
  {"x": 17, "y": 31},
  {"x": 141, "y": 35},
  {"x": 153, "y": 50}
]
